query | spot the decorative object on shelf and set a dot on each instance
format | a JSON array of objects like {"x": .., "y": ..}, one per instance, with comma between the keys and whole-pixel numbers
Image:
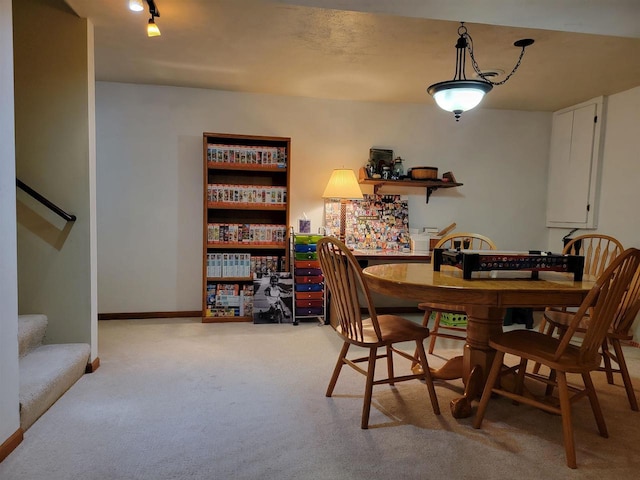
[
  {"x": 459, "y": 95},
  {"x": 449, "y": 177},
  {"x": 424, "y": 173},
  {"x": 304, "y": 224},
  {"x": 343, "y": 186},
  {"x": 398, "y": 169},
  {"x": 378, "y": 159}
]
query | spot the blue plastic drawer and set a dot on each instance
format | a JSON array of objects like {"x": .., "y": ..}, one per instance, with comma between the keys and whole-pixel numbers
[
  {"x": 303, "y": 248},
  {"x": 309, "y": 287}
]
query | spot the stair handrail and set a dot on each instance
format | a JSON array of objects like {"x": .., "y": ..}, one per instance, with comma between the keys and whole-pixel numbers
[{"x": 47, "y": 203}]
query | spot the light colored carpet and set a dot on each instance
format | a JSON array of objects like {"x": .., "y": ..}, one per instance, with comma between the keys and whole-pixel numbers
[{"x": 178, "y": 399}]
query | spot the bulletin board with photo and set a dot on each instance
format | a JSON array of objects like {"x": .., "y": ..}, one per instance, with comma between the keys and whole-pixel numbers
[{"x": 377, "y": 222}]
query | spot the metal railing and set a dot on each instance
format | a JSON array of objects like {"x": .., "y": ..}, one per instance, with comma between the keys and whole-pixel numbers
[{"x": 47, "y": 203}]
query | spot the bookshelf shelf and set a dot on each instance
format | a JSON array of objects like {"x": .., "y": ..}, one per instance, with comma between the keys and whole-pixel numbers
[
  {"x": 246, "y": 206},
  {"x": 245, "y": 246},
  {"x": 246, "y": 214}
]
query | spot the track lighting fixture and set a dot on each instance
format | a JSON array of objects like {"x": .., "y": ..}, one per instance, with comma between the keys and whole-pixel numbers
[
  {"x": 459, "y": 95},
  {"x": 152, "y": 28},
  {"x": 136, "y": 5}
]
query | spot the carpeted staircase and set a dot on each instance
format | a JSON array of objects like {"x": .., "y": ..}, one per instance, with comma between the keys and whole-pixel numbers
[{"x": 46, "y": 371}]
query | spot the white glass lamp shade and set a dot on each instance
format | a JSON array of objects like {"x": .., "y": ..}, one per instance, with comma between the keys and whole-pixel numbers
[
  {"x": 136, "y": 5},
  {"x": 343, "y": 184},
  {"x": 459, "y": 95}
]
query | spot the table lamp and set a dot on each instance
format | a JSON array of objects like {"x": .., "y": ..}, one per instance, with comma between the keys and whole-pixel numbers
[{"x": 343, "y": 185}]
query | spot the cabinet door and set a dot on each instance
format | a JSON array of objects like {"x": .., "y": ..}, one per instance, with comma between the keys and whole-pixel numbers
[{"x": 574, "y": 161}]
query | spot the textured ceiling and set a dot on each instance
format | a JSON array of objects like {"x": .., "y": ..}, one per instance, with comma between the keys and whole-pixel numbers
[{"x": 383, "y": 51}]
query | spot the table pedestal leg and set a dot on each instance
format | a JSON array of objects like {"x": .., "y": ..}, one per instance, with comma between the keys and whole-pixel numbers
[
  {"x": 474, "y": 364},
  {"x": 482, "y": 323}
]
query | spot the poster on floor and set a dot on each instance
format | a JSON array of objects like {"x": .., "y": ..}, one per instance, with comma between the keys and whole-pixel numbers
[{"x": 273, "y": 298}]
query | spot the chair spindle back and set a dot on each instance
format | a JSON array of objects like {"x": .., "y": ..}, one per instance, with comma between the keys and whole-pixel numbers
[
  {"x": 343, "y": 276},
  {"x": 606, "y": 301}
]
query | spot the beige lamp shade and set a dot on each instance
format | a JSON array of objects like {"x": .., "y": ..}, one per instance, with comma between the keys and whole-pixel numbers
[{"x": 343, "y": 184}]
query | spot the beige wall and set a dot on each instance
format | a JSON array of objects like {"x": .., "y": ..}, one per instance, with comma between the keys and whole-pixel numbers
[
  {"x": 54, "y": 155},
  {"x": 9, "y": 381},
  {"x": 150, "y": 175}
]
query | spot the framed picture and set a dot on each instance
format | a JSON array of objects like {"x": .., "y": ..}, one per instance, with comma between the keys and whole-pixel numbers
[
  {"x": 273, "y": 298},
  {"x": 380, "y": 157}
]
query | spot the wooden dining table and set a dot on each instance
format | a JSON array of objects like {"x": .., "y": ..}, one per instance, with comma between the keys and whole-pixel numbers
[{"x": 485, "y": 298}]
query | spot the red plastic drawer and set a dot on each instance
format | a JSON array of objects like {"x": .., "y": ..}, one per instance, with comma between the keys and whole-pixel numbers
[
  {"x": 307, "y": 263},
  {"x": 309, "y": 295},
  {"x": 314, "y": 279},
  {"x": 308, "y": 303}
]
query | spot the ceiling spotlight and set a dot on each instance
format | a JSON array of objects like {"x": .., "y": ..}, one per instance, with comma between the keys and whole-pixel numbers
[
  {"x": 459, "y": 95},
  {"x": 152, "y": 28},
  {"x": 136, "y": 5}
]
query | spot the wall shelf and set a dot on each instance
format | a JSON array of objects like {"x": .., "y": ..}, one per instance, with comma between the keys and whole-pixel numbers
[{"x": 430, "y": 185}]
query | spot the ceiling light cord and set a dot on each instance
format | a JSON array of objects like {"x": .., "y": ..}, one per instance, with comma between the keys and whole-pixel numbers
[{"x": 524, "y": 43}]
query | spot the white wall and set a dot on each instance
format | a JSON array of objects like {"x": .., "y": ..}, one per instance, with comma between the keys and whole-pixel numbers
[
  {"x": 149, "y": 174},
  {"x": 9, "y": 381},
  {"x": 620, "y": 181}
]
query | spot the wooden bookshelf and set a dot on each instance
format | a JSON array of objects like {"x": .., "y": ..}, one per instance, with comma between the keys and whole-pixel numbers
[{"x": 246, "y": 186}]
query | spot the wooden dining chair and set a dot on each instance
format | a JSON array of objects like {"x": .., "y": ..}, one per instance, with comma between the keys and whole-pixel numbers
[
  {"x": 472, "y": 241},
  {"x": 562, "y": 356},
  {"x": 598, "y": 251},
  {"x": 343, "y": 277},
  {"x": 620, "y": 330}
]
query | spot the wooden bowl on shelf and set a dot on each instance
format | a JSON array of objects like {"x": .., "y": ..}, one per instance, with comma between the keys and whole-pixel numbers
[{"x": 424, "y": 173}]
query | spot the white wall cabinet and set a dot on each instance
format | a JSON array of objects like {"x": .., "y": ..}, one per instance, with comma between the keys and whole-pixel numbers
[{"x": 574, "y": 165}]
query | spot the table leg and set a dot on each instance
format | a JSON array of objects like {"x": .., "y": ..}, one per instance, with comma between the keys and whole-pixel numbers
[
  {"x": 482, "y": 323},
  {"x": 474, "y": 364}
]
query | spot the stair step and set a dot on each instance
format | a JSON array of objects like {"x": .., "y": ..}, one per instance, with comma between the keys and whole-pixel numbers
[
  {"x": 31, "y": 331},
  {"x": 45, "y": 374}
]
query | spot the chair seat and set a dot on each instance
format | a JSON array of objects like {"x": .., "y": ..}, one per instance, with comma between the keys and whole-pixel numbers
[
  {"x": 393, "y": 328},
  {"x": 542, "y": 348}
]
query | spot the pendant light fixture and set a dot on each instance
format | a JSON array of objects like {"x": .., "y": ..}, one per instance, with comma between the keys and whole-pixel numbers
[{"x": 459, "y": 95}]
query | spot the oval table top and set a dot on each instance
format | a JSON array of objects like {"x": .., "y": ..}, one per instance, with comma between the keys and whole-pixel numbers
[{"x": 418, "y": 281}]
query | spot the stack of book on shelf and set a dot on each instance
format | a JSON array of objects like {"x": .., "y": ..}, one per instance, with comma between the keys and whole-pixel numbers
[
  {"x": 266, "y": 264},
  {"x": 247, "y": 194},
  {"x": 249, "y": 233},
  {"x": 228, "y": 265},
  {"x": 234, "y": 154},
  {"x": 229, "y": 300}
]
